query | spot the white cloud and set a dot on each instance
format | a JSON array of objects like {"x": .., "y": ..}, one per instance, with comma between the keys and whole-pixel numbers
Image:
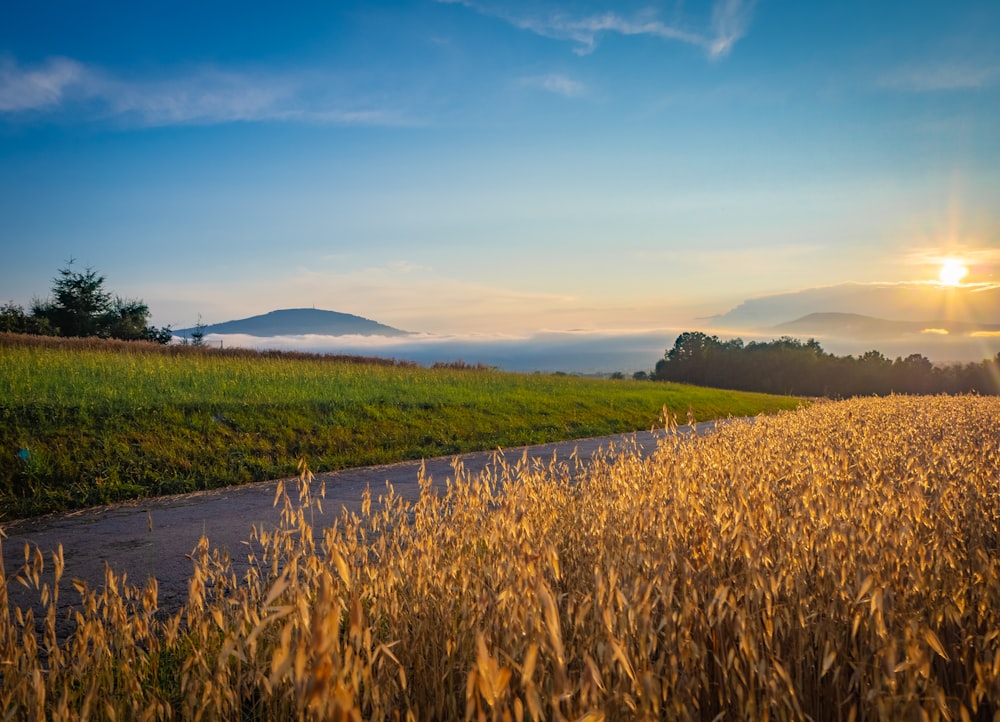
[
  {"x": 730, "y": 22},
  {"x": 945, "y": 76},
  {"x": 591, "y": 352},
  {"x": 556, "y": 83},
  {"x": 40, "y": 87},
  {"x": 596, "y": 351},
  {"x": 204, "y": 96}
]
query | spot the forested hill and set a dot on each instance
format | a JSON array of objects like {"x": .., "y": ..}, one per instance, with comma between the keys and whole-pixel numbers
[{"x": 298, "y": 321}]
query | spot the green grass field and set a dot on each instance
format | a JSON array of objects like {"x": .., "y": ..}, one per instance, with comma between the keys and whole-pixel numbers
[{"x": 86, "y": 423}]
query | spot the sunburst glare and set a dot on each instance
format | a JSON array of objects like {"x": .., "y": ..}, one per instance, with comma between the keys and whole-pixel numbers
[{"x": 952, "y": 272}]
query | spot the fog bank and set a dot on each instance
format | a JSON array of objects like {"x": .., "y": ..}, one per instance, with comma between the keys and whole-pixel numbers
[{"x": 585, "y": 352}]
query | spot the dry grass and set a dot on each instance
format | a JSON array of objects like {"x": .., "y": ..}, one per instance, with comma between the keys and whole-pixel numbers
[
  {"x": 147, "y": 348},
  {"x": 840, "y": 562}
]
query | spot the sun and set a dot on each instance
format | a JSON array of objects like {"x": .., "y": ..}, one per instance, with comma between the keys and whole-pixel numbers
[{"x": 952, "y": 272}]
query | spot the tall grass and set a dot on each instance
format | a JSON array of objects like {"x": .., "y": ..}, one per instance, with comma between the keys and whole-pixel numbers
[
  {"x": 839, "y": 562},
  {"x": 93, "y": 423}
]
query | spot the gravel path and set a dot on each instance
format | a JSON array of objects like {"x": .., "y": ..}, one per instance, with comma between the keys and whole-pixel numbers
[{"x": 154, "y": 537}]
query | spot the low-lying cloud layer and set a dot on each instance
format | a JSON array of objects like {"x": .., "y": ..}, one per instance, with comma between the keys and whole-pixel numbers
[
  {"x": 589, "y": 352},
  {"x": 579, "y": 353}
]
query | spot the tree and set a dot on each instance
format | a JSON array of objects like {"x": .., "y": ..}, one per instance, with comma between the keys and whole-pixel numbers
[
  {"x": 128, "y": 322},
  {"x": 691, "y": 358},
  {"x": 913, "y": 375},
  {"x": 790, "y": 366},
  {"x": 162, "y": 335},
  {"x": 13, "y": 319},
  {"x": 81, "y": 307},
  {"x": 198, "y": 335}
]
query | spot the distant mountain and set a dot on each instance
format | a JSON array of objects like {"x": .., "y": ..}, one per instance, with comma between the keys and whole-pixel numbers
[
  {"x": 298, "y": 322},
  {"x": 853, "y": 325},
  {"x": 911, "y": 302}
]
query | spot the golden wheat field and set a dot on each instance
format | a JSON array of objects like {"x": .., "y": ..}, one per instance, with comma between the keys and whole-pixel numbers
[{"x": 838, "y": 562}]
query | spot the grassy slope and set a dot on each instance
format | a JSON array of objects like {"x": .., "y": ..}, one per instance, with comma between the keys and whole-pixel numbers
[{"x": 84, "y": 424}]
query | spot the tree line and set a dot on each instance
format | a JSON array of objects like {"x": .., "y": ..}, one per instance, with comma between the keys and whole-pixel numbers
[
  {"x": 790, "y": 366},
  {"x": 79, "y": 306}
]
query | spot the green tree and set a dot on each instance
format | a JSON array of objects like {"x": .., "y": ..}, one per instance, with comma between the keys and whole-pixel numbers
[
  {"x": 80, "y": 306},
  {"x": 127, "y": 319},
  {"x": 691, "y": 360},
  {"x": 13, "y": 319},
  {"x": 198, "y": 335}
]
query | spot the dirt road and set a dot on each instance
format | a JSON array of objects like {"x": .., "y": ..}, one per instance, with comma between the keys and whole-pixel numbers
[{"x": 154, "y": 537}]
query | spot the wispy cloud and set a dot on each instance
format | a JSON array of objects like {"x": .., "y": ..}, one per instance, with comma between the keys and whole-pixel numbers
[
  {"x": 204, "y": 96},
  {"x": 926, "y": 78},
  {"x": 730, "y": 21},
  {"x": 556, "y": 83},
  {"x": 44, "y": 86}
]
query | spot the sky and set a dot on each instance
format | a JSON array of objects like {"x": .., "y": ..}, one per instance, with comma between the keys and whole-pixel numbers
[{"x": 468, "y": 166}]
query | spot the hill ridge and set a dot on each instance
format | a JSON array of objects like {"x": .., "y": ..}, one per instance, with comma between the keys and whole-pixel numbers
[
  {"x": 832, "y": 322},
  {"x": 298, "y": 322}
]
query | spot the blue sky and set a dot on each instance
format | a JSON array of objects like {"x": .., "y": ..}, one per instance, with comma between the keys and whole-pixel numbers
[{"x": 509, "y": 167}]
